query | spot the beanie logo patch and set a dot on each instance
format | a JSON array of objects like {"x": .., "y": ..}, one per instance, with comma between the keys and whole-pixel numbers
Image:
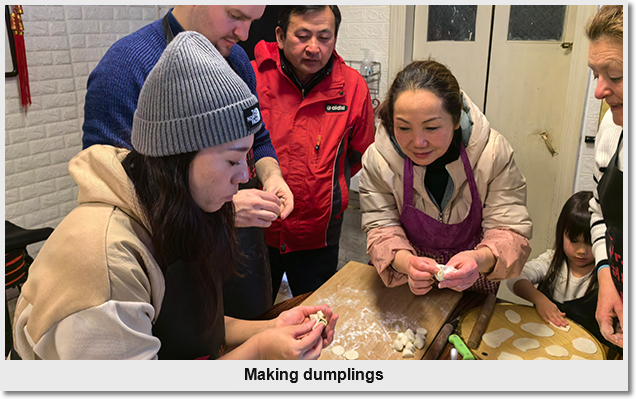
[
  {"x": 252, "y": 116},
  {"x": 336, "y": 108}
]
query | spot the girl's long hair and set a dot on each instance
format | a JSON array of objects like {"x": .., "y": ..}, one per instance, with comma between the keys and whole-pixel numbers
[
  {"x": 574, "y": 221},
  {"x": 180, "y": 229}
]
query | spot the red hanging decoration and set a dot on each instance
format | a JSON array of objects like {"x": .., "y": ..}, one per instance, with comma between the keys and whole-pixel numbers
[{"x": 20, "y": 52}]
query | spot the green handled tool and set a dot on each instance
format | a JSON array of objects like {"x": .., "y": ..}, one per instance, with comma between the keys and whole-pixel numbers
[{"x": 461, "y": 347}]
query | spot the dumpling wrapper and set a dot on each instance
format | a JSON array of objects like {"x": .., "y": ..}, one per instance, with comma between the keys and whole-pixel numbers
[
  {"x": 575, "y": 357},
  {"x": 338, "y": 350},
  {"x": 541, "y": 358},
  {"x": 351, "y": 355},
  {"x": 443, "y": 269},
  {"x": 585, "y": 345},
  {"x": 525, "y": 344},
  {"x": 508, "y": 356},
  {"x": 557, "y": 351},
  {"x": 566, "y": 328},
  {"x": 495, "y": 338},
  {"x": 512, "y": 316},
  {"x": 540, "y": 330}
]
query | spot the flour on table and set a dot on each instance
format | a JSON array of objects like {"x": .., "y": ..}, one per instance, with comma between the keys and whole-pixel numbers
[
  {"x": 540, "y": 330},
  {"x": 584, "y": 345},
  {"x": 512, "y": 316},
  {"x": 495, "y": 338},
  {"x": 508, "y": 356},
  {"x": 557, "y": 351},
  {"x": 525, "y": 344}
]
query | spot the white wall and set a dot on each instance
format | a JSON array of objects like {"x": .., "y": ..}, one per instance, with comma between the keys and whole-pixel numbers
[{"x": 583, "y": 180}]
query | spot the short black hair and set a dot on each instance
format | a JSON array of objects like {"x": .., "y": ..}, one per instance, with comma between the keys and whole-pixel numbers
[{"x": 287, "y": 11}]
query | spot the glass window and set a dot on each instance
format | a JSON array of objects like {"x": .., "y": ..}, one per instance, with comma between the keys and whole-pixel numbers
[
  {"x": 536, "y": 22},
  {"x": 456, "y": 23}
]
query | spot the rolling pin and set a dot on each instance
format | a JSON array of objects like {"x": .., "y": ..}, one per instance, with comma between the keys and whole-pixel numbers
[
  {"x": 482, "y": 321},
  {"x": 440, "y": 342}
]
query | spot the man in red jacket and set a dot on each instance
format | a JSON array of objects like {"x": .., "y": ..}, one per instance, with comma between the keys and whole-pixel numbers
[{"x": 320, "y": 117}]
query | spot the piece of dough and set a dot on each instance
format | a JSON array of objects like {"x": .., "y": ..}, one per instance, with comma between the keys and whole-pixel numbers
[
  {"x": 525, "y": 344},
  {"x": 410, "y": 347},
  {"x": 407, "y": 353},
  {"x": 398, "y": 345},
  {"x": 541, "y": 358},
  {"x": 351, "y": 355},
  {"x": 557, "y": 351},
  {"x": 409, "y": 333},
  {"x": 512, "y": 316},
  {"x": 419, "y": 341},
  {"x": 338, "y": 350},
  {"x": 540, "y": 330},
  {"x": 405, "y": 340},
  {"x": 575, "y": 357},
  {"x": 495, "y": 338},
  {"x": 584, "y": 345},
  {"x": 566, "y": 328},
  {"x": 421, "y": 331},
  {"x": 508, "y": 356},
  {"x": 443, "y": 269}
]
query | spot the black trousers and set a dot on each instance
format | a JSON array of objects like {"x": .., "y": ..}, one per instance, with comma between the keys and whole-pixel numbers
[{"x": 306, "y": 270}]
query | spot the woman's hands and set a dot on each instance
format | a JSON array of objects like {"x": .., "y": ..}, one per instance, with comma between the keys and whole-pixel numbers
[
  {"x": 300, "y": 314},
  {"x": 466, "y": 271},
  {"x": 609, "y": 308},
  {"x": 420, "y": 272},
  {"x": 291, "y": 342}
]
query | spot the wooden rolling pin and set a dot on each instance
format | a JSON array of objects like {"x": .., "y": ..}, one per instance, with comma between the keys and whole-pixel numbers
[
  {"x": 482, "y": 321},
  {"x": 440, "y": 342}
]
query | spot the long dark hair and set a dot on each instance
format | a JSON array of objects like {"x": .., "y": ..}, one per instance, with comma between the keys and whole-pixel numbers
[
  {"x": 574, "y": 221},
  {"x": 180, "y": 230}
]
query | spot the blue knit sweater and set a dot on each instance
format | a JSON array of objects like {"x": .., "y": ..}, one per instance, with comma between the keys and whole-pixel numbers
[{"x": 114, "y": 85}]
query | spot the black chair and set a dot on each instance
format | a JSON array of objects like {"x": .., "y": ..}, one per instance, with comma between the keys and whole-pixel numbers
[{"x": 16, "y": 265}]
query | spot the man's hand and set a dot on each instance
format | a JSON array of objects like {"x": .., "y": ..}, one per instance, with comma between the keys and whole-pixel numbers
[
  {"x": 277, "y": 186},
  {"x": 255, "y": 208}
]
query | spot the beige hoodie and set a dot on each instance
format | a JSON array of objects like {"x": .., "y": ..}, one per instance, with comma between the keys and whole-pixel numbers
[
  {"x": 95, "y": 278},
  {"x": 506, "y": 223}
]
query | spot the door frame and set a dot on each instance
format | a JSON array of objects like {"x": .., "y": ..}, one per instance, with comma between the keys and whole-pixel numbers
[{"x": 400, "y": 42}]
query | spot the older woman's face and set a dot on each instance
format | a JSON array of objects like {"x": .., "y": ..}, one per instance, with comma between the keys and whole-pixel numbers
[
  {"x": 423, "y": 128},
  {"x": 606, "y": 61},
  {"x": 216, "y": 172}
]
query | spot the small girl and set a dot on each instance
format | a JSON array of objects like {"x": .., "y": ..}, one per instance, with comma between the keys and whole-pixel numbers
[{"x": 565, "y": 276}]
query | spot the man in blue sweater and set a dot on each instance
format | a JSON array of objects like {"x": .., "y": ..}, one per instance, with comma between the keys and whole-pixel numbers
[{"x": 111, "y": 100}]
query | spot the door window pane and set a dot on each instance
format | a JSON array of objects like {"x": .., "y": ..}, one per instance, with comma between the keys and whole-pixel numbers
[
  {"x": 536, "y": 22},
  {"x": 456, "y": 23}
]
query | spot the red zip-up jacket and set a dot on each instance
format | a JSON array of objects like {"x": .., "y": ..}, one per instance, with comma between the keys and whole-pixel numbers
[{"x": 319, "y": 141}]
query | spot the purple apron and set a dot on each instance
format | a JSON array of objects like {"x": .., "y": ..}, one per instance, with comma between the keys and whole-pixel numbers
[{"x": 436, "y": 240}]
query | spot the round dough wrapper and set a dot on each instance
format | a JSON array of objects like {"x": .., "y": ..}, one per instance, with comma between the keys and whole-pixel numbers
[
  {"x": 525, "y": 344},
  {"x": 540, "y": 330},
  {"x": 566, "y": 328},
  {"x": 541, "y": 358},
  {"x": 351, "y": 355},
  {"x": 512, "y": 316},
  {"x": 338, "y": 350},
  {"x": 508, "y": 356},
  {"x": 557, "y": 351},
  {"x": 495, "y": 338},
  {"x": 575, "y": 357},
  {"x": 584, "y": 345}
]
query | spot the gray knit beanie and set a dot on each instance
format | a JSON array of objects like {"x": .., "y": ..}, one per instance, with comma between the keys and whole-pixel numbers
[{"x": 192, "y": 100}]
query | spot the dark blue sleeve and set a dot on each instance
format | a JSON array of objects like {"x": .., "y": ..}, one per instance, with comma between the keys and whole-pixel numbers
[{"x": 262, "y": 143}]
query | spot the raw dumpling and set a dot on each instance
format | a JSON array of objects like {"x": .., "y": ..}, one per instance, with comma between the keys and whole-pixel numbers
[
  {"x": 421, "y": 331},
  {"x": 338, "y": 350},
  {"x": 398, "y": 345},
  {"x": 410, "y": 347},
  {"x": 540, "y": 330},
  {"x": 443, "y": 269},
  {"x": 351, "y": 355},
  {"x": 525, "y": 344},
  {"x": 508, "y": 356},
  {"x": 512, "y": 316},
  {"x": 557, "y": 351},
  {"x": 409, "y": 333},
  {"x": 419, "y": 341},
  {"x": 495, "y": 338},
  {"x": 584, "y": 345},
  {"x": 407, "y": 353},
  {"x": 319, "y": 317}
]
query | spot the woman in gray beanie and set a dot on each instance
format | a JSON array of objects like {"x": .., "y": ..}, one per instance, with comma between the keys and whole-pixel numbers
[{"x": 135, "y": 271}]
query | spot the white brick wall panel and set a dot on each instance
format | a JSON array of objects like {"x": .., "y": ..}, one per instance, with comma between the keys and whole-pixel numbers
[
  {"x": 98, "y": 13},
  {"x": 62, "y": 128},
  {"x": 19, "y": 221},
  {"x": 37, "y": 189},
  {"x": 102, "y": 40},
  {"x": 15, "y": 151},
  {"x": 86, "y": 55},
  {"x": 64, "y": 182},
  {"x": 14, "y": 122},
  {"x": 80, "y": 69},
  {"x": 61, "y": 57},
  {"x": 11, "y": 196},
  {"x": 57, "y": 28},
  {"x": 66, "y": 208},
  {"x": 12, "y": 106},
  {"x": 77, "y": 41},
  {"x": 351, "y": 13},
  {"x": 11, "y": 88},
  {"x": 149, "y": 13},
  {"x": 134, "y": 26},
  {"x": 128, "y": 13},
  {"x": 36, "y": 118},
  {"x": 8, "y": 168},
  {"x": 93, "y": 64},
  {"x": 50, "y": 172},
  {"x": 377, "y": 14},
  {"x": 47, "y": 13},
  {"x": 46, "y": 145},
  {"x": 62, "y": 156},
  {"x": 80, "y": 83},
  {"x": 32, "y": 162},
  {"x": 73, "y": 12},
  {"x": 66, "y": 86},
  {"x": 68, "y": 114},
  {"x": 360, "y": 30},
  {"x": 35, "y": 29},
  {"x": 56, "y": 72},
  {"x": 114, "y": 26},
  {"x": 27, "y": 134},
  {"x": 42, "y": 217},
  {"x": 21, "y": 208},
  {"x": 36, "y": 105},
  {"x": 82, "y": 27},
  {"x": 48, "y": 43},
  {"x": 18, "y": 180},
  {"x": 57, "y": 197},
  {"x": 58, "y": 100},
  {"x": 43, "y": 88},
  {"x": 74, "y": 140}
]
